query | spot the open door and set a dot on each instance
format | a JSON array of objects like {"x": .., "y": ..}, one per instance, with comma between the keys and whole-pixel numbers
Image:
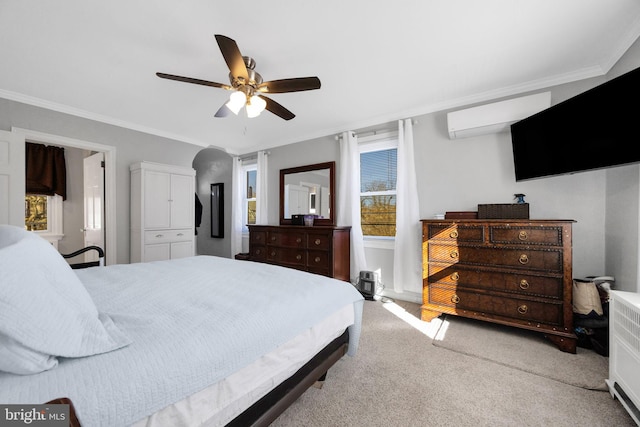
[
  {"x": 12, "y": 179},
  {"x": 93, "y": 204}
]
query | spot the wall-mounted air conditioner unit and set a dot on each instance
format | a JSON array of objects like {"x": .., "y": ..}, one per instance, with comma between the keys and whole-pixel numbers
[{"x": 495, "y": 117}]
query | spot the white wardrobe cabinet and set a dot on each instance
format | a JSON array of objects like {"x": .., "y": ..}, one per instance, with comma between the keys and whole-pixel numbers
[{"x": 162, "y": 212}]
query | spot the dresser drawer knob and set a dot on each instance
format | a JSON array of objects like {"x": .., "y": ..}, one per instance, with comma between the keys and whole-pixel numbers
[
  {"x": 455, "y": 299},
  {"x": 273, "y": 253},
  {"x": 524, "y": 285},
  {"x": 317, "y": 259},
  {"x": 258, "y": 237},
  {"x": 455, "y": 276},
  {"x": 317, "y": 241},
  {"x": 454, "y": 234},
  {"x": 454, "y": 254},
  {"x": 258, "y": 251},
  {"x": 298, "y": 257},
  {"x": 524, "y": 259},
  {"x": 522, "y": 309},
  {"x": 273, "y": 238},
  {"x": 523, "y": 235},
  {"x": 298, "y": 240}
]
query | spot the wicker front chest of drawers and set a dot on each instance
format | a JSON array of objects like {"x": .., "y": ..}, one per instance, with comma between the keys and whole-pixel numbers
[
  {"x": 319, "y": 249},
  {"x": 512, "y": 272}
]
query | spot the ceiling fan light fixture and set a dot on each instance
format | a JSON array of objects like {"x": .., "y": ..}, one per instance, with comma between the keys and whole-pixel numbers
[
  {"x": 237, "y": 100},
  {"x": 255, "y": 106}
]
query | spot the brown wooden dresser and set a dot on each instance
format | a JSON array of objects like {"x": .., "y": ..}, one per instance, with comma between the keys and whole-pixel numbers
[
  {"x": 318, "y": 249},
  {"x": 512, "y": 272}
]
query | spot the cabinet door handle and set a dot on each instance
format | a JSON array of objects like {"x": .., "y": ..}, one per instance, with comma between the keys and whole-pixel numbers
[
  {"x": 524, "y": 285},
  {"x": 524, "y": 259},
  {"x": 522, "y": 309}
]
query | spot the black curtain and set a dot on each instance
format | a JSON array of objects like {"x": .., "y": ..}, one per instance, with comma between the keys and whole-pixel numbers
[{"x": 46, "y": 170}]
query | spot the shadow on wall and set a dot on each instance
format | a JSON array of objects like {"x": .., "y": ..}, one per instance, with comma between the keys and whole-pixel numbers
[{"x": 213, "y": 166}]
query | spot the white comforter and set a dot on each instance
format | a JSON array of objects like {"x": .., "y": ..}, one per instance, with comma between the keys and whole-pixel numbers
[{"x": 193, "y": 322}]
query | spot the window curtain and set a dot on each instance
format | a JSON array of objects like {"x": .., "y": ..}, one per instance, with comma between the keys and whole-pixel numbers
[
  {"x": 236, "y": 207},
  {"x": 348, "y": 206},
  {"x": 407, "y": 258},
  {"x": 261, "y": 189},
  {"x": 46, "y": 170}
]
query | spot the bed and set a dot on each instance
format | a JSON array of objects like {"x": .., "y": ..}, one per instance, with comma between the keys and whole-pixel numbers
[{"x": 202, "y": 340}]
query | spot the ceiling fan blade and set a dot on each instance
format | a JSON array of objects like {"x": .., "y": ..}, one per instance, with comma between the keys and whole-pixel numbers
[
  {"x": 192, "y": 80},
  {"x": 223, "y": 111},
  {"x": 290, "y": 85},
  {"x": 277, "y": 109},
  {"x": 232, "y": 57}
]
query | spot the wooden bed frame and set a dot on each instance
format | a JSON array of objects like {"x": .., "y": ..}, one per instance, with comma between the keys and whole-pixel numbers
[{"x": 268, "y": 408}]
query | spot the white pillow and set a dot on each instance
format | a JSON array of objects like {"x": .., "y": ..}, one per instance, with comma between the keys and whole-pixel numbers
[{"x": 44, "y": 308}]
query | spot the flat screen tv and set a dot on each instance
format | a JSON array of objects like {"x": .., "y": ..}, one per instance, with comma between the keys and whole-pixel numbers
[{"x": 593, "y": 130}]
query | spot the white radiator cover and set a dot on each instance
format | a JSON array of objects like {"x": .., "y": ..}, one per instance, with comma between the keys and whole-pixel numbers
[{"x": 624, "y": 350}]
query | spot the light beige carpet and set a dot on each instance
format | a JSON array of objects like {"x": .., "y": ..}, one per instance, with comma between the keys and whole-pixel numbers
[{"x": 525, "y": 350}]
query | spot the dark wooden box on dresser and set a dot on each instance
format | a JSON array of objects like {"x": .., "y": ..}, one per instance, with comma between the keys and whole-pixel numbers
[
  {"x": 318, "y": 249},
  {"x": 513, "y": 272}
]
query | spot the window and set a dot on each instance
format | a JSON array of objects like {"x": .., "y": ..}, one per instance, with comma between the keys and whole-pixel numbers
[
  {"x": 378, "y": 162},
  {"x": 43, "y": 215},
  {"x": 250, "y": 173}
]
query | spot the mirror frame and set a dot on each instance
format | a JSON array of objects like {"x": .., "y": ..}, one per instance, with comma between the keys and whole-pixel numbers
[{"x": 332, "y": 194}]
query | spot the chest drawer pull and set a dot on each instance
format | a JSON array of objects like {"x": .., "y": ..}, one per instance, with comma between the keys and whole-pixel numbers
[
  {"x": 298, "y": 240},
  {"x": 523, "y": 235},
  {"x": 317, "y": 241},
  {"x": 298, "y": 257},
  {"x": 273, "y": 253},
  {"x": 273, "y": 238},
  {"x": 524, "y": 285},
  {"x": 258, "y": 237},
  {"x": 180, "y": 234},
  {"x": 454, "y": 254},
  {"x": 317, "y": 259},
  {"x": 524, "y": 259},
  {"x": 455, "y": 299},
  {"x": 522, "y": 309},
  {"x": 455, "y": 276},
  {"x": 258, "y": 251},
  {"x": 159, "y": 235},
  {"x": 453, "y": 234}
]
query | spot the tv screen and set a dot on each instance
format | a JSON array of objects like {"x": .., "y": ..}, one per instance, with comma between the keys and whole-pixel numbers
[{"x": 592, "y": 130}]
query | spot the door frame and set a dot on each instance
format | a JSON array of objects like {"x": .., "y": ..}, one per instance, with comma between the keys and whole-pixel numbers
[{"x": 109, "y": 178}]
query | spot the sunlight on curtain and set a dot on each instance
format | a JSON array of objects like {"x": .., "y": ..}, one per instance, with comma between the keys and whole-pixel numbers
[
  {"x": 261, "y": 189},
  {"x": 236, "y": 207},
  {"x": 348, "y": 206},
  {"x": 407, "y": 257}
]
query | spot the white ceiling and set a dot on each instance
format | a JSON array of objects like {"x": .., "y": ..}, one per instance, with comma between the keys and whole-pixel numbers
[{"x": 377, "y": 60}]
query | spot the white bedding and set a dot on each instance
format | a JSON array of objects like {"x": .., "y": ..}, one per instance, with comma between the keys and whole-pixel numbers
[{"x": 192, "y": 323}]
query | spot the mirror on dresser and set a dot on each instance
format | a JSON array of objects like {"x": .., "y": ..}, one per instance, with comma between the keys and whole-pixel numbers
[{"x": 308, "y": 190}]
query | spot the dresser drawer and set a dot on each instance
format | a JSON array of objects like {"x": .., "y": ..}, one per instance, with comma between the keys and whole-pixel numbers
[
  {"x": 520, "y": 283},
  {"x": 548, "y": 260},
  {"x": 289, "y": 239},
  {"x": 526, "y": 235},
  {"x": 167, "y": 236},
  {"x": 289, "y": 256},
  {"x": 258, "y": 252},
  {"x": 455, "y": 233},
  {"x": 488, "y": 304},
  {"x": 258, "y": 237},
  {"x": 319, "y": 241}
]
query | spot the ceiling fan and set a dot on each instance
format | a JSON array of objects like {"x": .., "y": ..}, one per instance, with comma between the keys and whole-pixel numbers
[{"x": 247, "y": 85}]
